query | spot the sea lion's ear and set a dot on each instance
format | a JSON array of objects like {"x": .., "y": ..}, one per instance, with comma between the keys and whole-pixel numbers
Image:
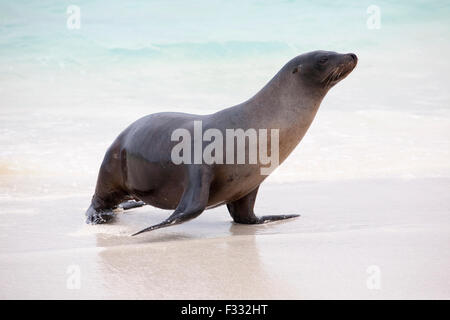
[{"x": 297, "y": 69}]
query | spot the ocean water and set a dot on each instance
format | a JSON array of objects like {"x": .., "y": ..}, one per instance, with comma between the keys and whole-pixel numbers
[{"x": 67, "y": 93}]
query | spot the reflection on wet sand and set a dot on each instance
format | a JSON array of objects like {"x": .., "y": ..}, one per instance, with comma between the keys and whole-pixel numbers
[
  {"x": 180, "y": 265},
  {"x": 323, "y": 254}
]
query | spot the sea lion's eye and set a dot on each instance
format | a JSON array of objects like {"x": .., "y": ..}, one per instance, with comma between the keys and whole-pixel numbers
[{"x": 323, "y": 60}]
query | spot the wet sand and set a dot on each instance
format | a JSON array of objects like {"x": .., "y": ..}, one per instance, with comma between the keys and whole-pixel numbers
[{"x": 402, "y": 227}]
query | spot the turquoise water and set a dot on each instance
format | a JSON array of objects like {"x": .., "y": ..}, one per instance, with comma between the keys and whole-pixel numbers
[
  {"x": 125, "y": 31},
  {"x": 65, "y": 87}
]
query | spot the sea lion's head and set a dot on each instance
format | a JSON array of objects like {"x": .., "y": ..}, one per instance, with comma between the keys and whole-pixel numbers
[{"x": 323, "y": 68}]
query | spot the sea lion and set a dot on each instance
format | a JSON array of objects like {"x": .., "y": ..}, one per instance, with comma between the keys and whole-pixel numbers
[{"x": 139, "y": 164}]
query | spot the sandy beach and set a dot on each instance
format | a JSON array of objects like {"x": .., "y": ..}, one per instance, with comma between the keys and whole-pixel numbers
[{"x": 401, "y": 227}]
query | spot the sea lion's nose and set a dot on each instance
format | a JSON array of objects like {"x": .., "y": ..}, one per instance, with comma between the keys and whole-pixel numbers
[{"x": 354, "y": 57}]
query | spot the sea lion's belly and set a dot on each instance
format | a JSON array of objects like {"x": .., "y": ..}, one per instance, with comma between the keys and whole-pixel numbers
[
  {"x": 232, "y": 182},
  {"x": 158, "y": 184}
]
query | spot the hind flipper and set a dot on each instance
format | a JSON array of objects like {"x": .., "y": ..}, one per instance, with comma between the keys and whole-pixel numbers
[
  {"x": 241, "y": 211},
  {"x": 194, "y": 199},
  {"x": 271, "y": 218},
  {"x": 106, "y": 215},
  {"x": 99, "y": 216}
]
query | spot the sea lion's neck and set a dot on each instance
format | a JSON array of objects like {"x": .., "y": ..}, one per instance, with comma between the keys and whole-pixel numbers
[{"x": 288, "y": 105}]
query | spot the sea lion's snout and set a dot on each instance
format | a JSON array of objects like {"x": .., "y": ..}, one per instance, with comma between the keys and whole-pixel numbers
[
  {"x": 352, "y": 61},
  {"x": 353, "y": 57},
  {"x": 323, "y": 69},
  {"x": 338, "y": 67}
]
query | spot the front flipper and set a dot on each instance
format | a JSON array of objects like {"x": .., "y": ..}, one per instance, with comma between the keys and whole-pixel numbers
[
  {"x": 194, "y": 199},
  {"x": 241, "y": 211}
]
